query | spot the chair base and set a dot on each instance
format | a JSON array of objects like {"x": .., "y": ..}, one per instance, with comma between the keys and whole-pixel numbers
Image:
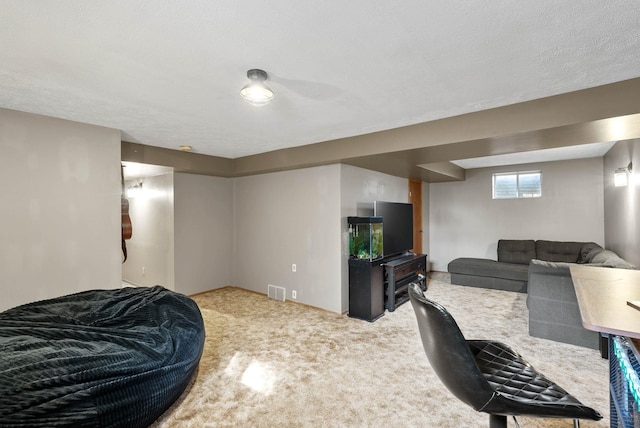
[
  {"x": 500, "y": 421},
  {"x": 497, "y": 421}
]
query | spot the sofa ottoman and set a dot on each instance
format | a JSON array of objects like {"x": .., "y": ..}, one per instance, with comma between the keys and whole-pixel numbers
[
  {"x": 485, "y": 273},
  {"x": 509, "y": 272}
]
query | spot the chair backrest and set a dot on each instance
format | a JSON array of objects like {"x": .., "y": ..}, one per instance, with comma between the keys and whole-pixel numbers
[{"x": 448, "y": 351}]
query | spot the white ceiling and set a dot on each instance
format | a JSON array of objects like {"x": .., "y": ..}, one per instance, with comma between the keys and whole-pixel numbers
[
  {"x": 168, "y": 73},
  {"x": 583, "y": 151}
]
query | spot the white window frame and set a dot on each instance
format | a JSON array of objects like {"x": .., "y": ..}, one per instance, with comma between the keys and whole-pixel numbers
[{"x": 518, "y": 193}]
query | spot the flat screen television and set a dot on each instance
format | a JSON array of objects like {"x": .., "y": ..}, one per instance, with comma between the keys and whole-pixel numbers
[{"x": 397, "y": 226}]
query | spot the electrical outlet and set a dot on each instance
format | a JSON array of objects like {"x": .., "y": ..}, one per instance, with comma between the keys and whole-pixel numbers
[
  {"x": 293, "y": 267},
  {"x": 294, "y": 294}
]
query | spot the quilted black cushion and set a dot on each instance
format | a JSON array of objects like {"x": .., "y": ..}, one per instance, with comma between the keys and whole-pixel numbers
[
  {"x": 100, "y": 358},
  {"x": 519, "y": 383},
  {"x": 508, "y": 373}
]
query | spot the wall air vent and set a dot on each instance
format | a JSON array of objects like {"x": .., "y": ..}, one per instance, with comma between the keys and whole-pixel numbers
[{"x": 275, "y": 292}]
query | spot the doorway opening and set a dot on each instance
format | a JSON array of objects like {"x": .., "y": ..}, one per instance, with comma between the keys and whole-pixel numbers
[{"x": 149, "y": 192}]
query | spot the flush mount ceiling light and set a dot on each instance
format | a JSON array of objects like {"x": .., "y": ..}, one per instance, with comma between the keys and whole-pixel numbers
[{"x": 256, "y": 92}]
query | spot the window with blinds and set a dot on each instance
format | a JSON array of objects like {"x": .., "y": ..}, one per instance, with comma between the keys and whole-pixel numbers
[{"x": 510, "y": 185}]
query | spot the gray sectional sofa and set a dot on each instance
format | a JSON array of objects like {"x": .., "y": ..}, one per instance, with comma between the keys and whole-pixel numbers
[{"x": 540, "y": 269}]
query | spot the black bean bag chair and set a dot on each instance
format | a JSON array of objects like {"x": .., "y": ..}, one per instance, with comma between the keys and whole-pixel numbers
[{"x": 100, "y": 358}]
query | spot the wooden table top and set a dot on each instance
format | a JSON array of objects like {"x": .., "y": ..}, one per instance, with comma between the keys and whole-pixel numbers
[{"x": 602, "y": 297}]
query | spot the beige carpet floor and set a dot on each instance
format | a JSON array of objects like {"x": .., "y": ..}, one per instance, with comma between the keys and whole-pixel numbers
[{"x": 273, "y": 364}]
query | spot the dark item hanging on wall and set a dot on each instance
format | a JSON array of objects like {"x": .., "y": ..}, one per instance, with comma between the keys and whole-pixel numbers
[{"x": 127, "y": 229}]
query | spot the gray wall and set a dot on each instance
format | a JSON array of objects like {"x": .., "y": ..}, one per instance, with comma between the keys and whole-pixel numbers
[
  {"x": 466, "y": 222},
  {"x": 60, "y": 208},
  {"x": 359, "y": 189},
  {"x": 622, "y": 204},
  {"x": 203, "y": 232},
  {"x": 284, "y": 218},
  {"x": 151, "y": 248}
]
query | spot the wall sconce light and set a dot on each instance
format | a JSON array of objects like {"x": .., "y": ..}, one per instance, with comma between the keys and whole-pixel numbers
[
  {"x": 256, "y": 92},
  {"x": 134, "y": 190},
  {"x": 621, "y": 176}
]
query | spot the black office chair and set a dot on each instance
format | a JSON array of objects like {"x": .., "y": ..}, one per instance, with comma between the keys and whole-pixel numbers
[{"x": 489, "y": 376}]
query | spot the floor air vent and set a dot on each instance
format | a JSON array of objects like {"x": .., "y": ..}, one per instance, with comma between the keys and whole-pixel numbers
[{"x": 277, "y": 293}]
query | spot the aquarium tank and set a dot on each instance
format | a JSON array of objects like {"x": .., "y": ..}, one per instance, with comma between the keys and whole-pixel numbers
[{"x": 365, "y": 238}]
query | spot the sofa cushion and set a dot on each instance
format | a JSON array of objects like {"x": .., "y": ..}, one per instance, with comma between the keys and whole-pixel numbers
[
  {"x": 557, "y": 251},
  {"x": 518, "y": 251},
  {"x": 608, "y": 258},
  {"x": 588, "y": 252},
  {"x": 548, "y": 264},
  {"x": 489, "y": 268}
]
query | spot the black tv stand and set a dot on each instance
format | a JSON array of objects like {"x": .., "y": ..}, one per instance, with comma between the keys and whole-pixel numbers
[
  {"x": 399, "y": 272},
  {"x": 398, "y": 256},
  {"x": 366, "y": 292}
]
